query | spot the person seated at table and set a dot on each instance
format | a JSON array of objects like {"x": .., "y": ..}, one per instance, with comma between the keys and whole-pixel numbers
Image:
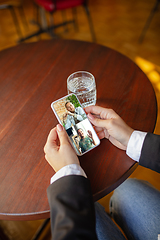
[
  {"x": 73, "y": 115},
  {"x": 135, "y": 204},
  {"x": 86, "y": 141}
]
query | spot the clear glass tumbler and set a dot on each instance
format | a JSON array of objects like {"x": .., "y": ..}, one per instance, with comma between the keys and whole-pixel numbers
[{"x": 83, "y": 85}]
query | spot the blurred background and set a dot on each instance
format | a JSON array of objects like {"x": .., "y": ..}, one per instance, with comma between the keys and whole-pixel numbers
[{"x": 118, "y": 25}]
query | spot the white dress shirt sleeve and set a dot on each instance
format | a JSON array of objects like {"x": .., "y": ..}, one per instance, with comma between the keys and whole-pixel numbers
[
  {"x": 135, "y": 144},
  {"x": 72, "y": 169}
]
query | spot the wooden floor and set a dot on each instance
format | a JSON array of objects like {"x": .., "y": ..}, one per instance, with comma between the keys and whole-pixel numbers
[{"x": 117, "y": 24}]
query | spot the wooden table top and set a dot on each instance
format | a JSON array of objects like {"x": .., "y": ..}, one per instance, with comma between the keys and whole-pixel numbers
[{"x": 32, "y": 76}]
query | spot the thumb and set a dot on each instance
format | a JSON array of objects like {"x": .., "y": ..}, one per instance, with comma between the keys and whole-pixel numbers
[
  {"x": 98, "y": 122},
  {"x": 63, "y": 138}
]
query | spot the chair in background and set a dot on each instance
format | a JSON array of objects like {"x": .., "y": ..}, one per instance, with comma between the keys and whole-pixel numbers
[
  {"x": 11, "y": 5},
  {"x": 52, "y": 6},
  {"x": 155, "y": 8}
]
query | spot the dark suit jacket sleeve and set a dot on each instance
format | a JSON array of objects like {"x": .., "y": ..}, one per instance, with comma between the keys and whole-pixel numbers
[
  {"x": 150, "y": 154},
  {"x": 72, "y": 209}
]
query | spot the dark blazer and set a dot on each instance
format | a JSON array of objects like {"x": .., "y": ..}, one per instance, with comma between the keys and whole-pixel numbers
[
  {"x": 150, "y": 154},
  {"x": 71, "y": 203},
  {"x": 72, "y": 209}
]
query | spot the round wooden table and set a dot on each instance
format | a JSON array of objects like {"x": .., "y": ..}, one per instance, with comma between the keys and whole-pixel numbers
[{"x": 31, "y": 77}]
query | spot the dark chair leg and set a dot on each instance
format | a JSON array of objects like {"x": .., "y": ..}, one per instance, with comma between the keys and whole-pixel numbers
[
  {"x": 90, "y": 22},
  {"x": 23, "y": 17},
  {"x": 2, "y": 235},
  {"x": 148, "y": 21},
  {"x": 64, "y": 20},
  {"x": 51, "y": 28},
  {"x": 15, "y": 20},
  {"x": 38, "y": 21},
  {"x": 41, "y": 228},
  {"x": 74, "y": 14}
]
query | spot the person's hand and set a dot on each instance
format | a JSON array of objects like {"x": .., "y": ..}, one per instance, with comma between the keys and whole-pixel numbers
[
  {"x": 70, "y": 113},
  {"x": 58, "y": 151},
  {"x": 65, "y": 116},
  {"x": 89, "y": 133},
  {"x": 110, "y": 125}
]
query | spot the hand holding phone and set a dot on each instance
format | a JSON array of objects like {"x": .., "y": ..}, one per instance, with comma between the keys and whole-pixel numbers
[
  {"x": 58, "y": 151},
  {"x": 71, "y": 115}
]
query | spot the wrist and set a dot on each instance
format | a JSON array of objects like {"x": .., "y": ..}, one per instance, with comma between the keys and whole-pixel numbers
[{"x": 129, "y": 133}]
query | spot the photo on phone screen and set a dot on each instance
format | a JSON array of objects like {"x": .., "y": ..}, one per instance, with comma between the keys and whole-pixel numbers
[{"x": 71, "y": 115}]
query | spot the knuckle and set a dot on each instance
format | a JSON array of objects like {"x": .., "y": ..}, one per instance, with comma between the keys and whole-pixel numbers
[{"x": 45, "y": 149}]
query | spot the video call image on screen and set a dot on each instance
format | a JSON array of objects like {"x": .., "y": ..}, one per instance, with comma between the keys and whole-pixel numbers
[{"x": 72, "y": 116}]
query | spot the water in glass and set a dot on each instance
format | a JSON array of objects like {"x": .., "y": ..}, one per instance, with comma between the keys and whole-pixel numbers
[{"x": 85, "y": 89}]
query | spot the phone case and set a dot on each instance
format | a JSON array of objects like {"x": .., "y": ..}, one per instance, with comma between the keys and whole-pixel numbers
[{"x": 71, "y": 115}]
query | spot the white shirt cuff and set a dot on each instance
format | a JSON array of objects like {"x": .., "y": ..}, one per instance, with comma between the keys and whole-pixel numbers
[
  {"x": 135, "y": 144},
  {"x": 72, "y": 169}
]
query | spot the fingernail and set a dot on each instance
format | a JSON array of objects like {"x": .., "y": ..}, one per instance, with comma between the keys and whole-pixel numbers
[
  {"x": 90, "y": 116},
  {"x": 59, "y": 127}
]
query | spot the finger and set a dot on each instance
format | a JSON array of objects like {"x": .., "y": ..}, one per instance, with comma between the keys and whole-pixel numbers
[
  {"x": 52, "y": 137},
  {"x": 101, "y": 135},
  {"x": 94, "y": 109},
  {"x": 63, "y": 138},
  {"x": 98, "y": 129},
  {"x": 100, "y": 112},
  {"x": 51, "y": 140},
  {"x": 97, "y": 121}
]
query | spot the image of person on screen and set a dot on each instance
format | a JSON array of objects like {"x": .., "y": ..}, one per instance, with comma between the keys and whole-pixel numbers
[
  {"x": 73, "y": 115},
  {"x": 86, "y": 141}
]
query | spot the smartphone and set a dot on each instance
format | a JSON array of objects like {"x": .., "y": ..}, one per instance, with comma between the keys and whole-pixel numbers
[{"x": 71, "y": 115}]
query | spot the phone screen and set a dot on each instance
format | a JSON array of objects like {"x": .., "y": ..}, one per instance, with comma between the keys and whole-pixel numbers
[{"x": 71, "y": 115}]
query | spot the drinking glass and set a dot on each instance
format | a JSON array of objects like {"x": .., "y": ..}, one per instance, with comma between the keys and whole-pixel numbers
[{"x": 83, "y": 85}]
